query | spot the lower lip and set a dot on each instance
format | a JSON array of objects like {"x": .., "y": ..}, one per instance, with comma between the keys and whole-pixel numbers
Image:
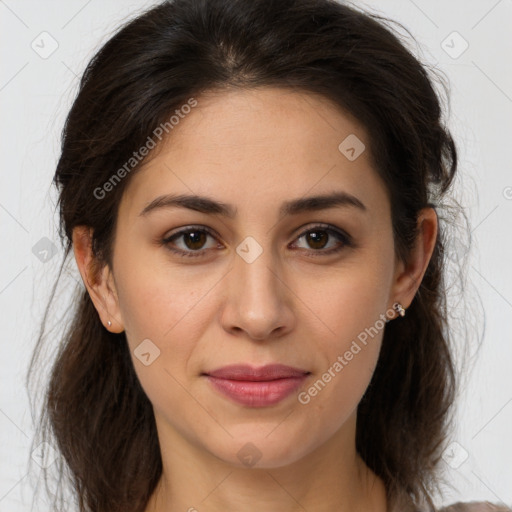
[{"x": 257, "y": 394}]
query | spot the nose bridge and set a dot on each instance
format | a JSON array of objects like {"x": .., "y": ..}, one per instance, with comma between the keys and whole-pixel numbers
[
  {"x": 256, "y": 301},
  {"x": 255, "y": 268}
]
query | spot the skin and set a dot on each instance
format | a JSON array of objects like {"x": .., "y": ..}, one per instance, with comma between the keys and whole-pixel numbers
[{"x": 255, "y": 149}]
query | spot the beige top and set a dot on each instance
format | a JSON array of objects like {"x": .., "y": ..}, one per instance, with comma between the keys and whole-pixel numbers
[
  {"x": 404, "y": 503},
  {"x": 474, "y": 506}
]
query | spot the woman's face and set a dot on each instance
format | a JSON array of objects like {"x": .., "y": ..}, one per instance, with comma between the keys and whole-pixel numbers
[{"x": 263, "y": 285}]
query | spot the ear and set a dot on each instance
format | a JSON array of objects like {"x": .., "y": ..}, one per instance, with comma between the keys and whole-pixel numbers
[
  {"x": 98, "y": 280},
  {"x": 408, "y": 277}
]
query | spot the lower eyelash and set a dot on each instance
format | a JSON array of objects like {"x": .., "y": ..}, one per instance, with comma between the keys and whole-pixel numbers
[
  {"x": 345, "y": 239},
  {"x": 179, "y": 252}
]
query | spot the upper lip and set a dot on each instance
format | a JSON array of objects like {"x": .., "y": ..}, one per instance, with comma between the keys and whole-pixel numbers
[{"x": 262, "y": 373}]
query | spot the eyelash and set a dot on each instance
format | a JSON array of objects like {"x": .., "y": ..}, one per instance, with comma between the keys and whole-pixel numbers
[{"x": 345, "y": 239}]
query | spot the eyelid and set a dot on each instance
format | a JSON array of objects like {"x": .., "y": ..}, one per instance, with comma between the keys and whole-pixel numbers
[
  {"x": 346, "y": 239},
  {"x": 165, "y": 241},
  {"x": 310, "y": 226},
  {"x": 191, "y": 227}
]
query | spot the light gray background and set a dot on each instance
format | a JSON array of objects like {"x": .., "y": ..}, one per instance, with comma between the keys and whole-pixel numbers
[{"x": 35, "y": 95}]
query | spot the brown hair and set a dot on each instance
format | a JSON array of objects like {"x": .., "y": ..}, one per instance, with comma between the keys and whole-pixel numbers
[{"x": 94, "y": 407}]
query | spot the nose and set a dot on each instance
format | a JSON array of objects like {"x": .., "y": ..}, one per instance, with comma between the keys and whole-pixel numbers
[{"x": 258, "y": 301}]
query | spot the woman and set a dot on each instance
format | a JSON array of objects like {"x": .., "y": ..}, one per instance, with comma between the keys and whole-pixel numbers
[{"x": 249, "y": 189}]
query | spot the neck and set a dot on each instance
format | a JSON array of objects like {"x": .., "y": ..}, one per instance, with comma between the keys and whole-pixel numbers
[{"x": 332, "y": 477}]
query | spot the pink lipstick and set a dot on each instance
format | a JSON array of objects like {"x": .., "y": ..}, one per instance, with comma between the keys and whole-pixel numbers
[{"x": 257, "y": 387}]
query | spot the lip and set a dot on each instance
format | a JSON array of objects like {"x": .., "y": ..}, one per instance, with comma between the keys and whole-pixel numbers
[{"x": 257, "y": 387}]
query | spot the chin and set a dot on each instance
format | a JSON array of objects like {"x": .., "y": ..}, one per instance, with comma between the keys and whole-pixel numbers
[{"x": 261, "y": 450}]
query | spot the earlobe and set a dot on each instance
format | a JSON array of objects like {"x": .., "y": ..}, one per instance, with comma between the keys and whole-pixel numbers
[
  {"x": 97, "y": 279},
  {"x": 408, "y": 277}
]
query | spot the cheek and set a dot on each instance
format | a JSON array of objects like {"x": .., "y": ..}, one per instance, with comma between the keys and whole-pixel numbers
[
  {"x": 352, "y": 308},
  {"x": 157, "y": 300},
  {"x": 165, "y": 308},
  {"x": 349, "y": 301},
  {"x": 339, "y": 385}
]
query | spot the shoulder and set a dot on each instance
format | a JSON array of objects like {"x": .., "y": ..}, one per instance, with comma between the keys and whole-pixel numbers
[{"x": 476, "y": 506}]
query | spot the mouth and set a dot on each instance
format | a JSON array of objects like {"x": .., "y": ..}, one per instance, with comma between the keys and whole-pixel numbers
[{"x": 256, "y": 387}]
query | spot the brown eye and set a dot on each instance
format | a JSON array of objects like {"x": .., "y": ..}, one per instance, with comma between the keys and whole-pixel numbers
[
  {"x": 189, "y": 242},
  {"x": 194, "y": 239},
  {"x": 318, "y": 239}
]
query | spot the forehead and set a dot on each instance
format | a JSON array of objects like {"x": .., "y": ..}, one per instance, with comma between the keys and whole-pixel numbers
[
  {"x": 264, "y": 143},
  {"x": 265, "y": 118}
]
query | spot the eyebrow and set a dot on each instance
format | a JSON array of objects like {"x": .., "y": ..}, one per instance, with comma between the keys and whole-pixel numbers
[{"x": 210, "y": 206}]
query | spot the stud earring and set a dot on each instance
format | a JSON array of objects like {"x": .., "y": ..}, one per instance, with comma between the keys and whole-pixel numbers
[
  {"x": 109, "y": 323},
  {"x": 399, "y": 308}
]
